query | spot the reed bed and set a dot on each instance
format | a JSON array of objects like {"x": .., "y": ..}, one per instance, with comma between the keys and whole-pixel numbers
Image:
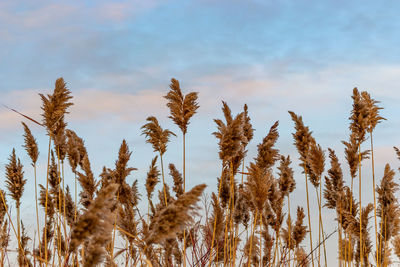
[{"x": 247, "y": 221}]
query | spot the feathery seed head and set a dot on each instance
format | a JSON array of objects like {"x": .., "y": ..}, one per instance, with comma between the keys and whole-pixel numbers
[
  {"x": 30, "y": 144},
  {"x": 182, "y": 107},
  {"x": 15, "y": 181},
  {"x": 155, "y": 135}
]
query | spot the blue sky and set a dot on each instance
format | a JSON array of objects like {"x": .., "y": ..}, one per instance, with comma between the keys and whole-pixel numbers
[{"x": 119, "y": 56}]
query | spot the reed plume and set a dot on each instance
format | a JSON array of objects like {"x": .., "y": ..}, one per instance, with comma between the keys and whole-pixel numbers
[
  {"x": 286, "y": 181},
  {"x": 388, "y": 211},
  {"x": 182, "y": 107},
  {"x": 334, "y": 182},
  {"x": 15, "y": 181},
  {"x": 373, "y": 119},
  {"x": 55, "y": 105},
  {"x": 30, "y": 144},
  {"x": 22, "y": 259},
  {"x": 15, "y": 184},
  {"x": 178, "y": 181},
  {"x": 299, "y": 230},
  {"x": 88, "y": 183},
  {"x": 158, "y": 138},
  {"x": 121, "y": 172},
  {"x": 267, "y": 155},
  {"x": 248, "y": 130},
  {"x": 359, "y": 117},
  {"x": 172, "y": 219},
  {"x": 4, "y": 233},
  {"x": 31, "y": 148},
  {"x": 95, "y": 226},
  {"x": 358, "y": 127},
  {"x": 396, "y": 245},
  {"x": 152, "y": 178},
  {"x": 231, "y": 138},
  {"x": 302, "y": 140}
]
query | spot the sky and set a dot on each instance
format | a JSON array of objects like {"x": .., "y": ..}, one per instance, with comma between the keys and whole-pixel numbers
[{"x": 118, "y": 57}]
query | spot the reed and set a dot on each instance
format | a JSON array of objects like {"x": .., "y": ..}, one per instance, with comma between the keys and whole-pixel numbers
[{"x": 245, "y": 222}]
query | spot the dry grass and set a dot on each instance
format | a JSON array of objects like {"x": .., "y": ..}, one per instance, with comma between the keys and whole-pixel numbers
[{"x": 246, "y": 222}]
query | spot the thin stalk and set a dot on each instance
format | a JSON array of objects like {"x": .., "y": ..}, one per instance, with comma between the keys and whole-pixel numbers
[
  {"x": 215, "y": 225},
  {"x": 276, "y": 247},
  {"x": 12, "y": 225},
  {"x": 237, "y": 227},
  {"x": 309, "y": 218},
  {"x": 59, "y": 206},
  {"x": 226, "y": 229},
  {"x": 37, "y": 209},
  {"x": 19, "y": 225},
  {"x": 319, "y": 228},
  {"x": 373, "y": 188},
  {"x": 232, "y": 209},
  {"x": 351, "y": 208},
  {"x": 76, "y": 197},
  {"x": 290, "y": 222},
  {"x": 45, "y": 209},
  {"x": 260, "y": 240},
  {"x": 163, "y": 180},
  {"x": 64, "y": 211},
  {"x": 359, "y": 192},
  {"x": 384, "y": 251},
  {"x": 114, "y": 230},
  {"x": 251, "y": 238},
  {"x": 340, "y": 235},
  {"x": 320, "y": 221},
  {"x": 184, "y": 190},
  {"x": 380, "y": 238}
]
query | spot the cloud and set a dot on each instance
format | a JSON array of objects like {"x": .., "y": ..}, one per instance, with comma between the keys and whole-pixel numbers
[{"x": 89, "y": 104}]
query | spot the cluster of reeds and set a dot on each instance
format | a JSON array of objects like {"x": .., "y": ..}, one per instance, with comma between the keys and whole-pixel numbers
[{"x": 248, "y": 221}]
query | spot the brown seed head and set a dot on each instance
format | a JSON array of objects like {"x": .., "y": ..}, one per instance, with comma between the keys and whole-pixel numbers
[
  {"x": 181, "y": 107},
  {"x": 30, "y": 144},
  {"x": 15, "y": 181},
  {"x": 373, "y": 111},
  {"x": 155, "y": 135}
]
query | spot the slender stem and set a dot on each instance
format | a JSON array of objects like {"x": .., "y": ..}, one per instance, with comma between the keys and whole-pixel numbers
[
  {"x": 64, "y": 197},
  {"x": 289, "y": 230},
  {"x": 351, "y": 209},
  {"x": 319, "y": 199},
  {"x": 373, "y": 188},
  {"x": 184, "y": 190},
  {"x": 12, "y": 225},
  {"x": 309, "y": 218},
  {"x": 114, "y": 230},
  {"x": 251, "y": 238},
  {"x": 215, "y": 225},
  {"x": 163, "y": 180},
  {"x": 383, "y": 218},
  {"x": 59, "y": 205},
  {"x": 19, "y": 225},
  {"x": 37, "y": 209},
  {"x": 384, "y": 250},
  {"x": 359, "y": 192},
  {"x": 340, "y": 235},
  {"x": 260, "y": 240},
  {"x": 232, "y": 209},
  {"x": 184, "y": 163},
  {"x": 46, "y": 201}
]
